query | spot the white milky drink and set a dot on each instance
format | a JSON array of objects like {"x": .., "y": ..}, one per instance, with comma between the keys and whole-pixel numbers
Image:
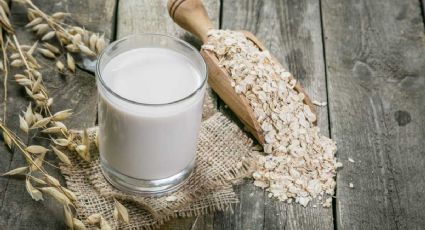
[{"x": 150, "y": 107}]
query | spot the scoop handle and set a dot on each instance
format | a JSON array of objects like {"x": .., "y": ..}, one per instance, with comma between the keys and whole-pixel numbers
[{"x": 191, "y": 16}]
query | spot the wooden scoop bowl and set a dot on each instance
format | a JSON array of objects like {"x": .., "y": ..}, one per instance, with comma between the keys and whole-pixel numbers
[{"x": 192, "y": 16}]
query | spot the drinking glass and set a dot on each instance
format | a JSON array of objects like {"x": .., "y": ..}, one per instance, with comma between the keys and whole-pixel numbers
[{"x": 148, "y": 148}]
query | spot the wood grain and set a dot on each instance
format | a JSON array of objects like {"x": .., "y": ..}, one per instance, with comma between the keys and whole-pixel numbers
[
  {"x": 375, "y": 55},
  {"x": 18, "y": 210},
  {"x": 146, "y": 16},
  {"x": 291, "y": 30}
]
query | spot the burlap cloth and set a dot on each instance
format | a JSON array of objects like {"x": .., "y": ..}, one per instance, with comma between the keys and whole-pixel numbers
[{"x": 224, "y": 156}]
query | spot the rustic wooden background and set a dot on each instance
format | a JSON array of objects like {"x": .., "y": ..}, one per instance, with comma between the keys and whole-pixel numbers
[{"x": 366, "y": 58}]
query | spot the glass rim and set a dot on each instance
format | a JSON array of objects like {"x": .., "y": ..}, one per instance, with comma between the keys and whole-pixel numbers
[{"x": 180, "y": 41}]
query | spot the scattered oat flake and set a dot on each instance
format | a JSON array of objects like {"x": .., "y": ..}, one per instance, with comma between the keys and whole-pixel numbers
[
  {"x": 318, "y": 103},
  {"x": 171, "y": 198},
  {"x": 328, "y": 202},
  {"x": 351, "y": 160},
  {"x": 351, "y": 185},
  {"x": 239, "y": 165},
  {"x": 299, "y": 163}
]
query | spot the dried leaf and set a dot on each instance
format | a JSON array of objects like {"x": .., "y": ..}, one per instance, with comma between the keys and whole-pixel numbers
[
  {"x": 7, "y": 140},
  {"x": 70, "y": 62},
  {"x": 4, "y": 22},
  {"x": 20, "y": 170},
  {"x": 37, "y": 86},
  {"x": 30, "y": 15},
  {"x": 76, "y": 30},
  {"x": 104, "y": 225},
  {"x": 78, "y": 224},
  {"x": 35, "y": 193},
  {"x": 24, "y": 82},
  {"x": 82, "y": 151},
  {"x": 46, "y": 53},
  {"x": 32, "y": 62},
  {"x": 23, "y": 125},
  {"x": 51, "y": 47},
  {"x": 36, "y": 149},
  {"x": 86, "y": 37},
  {"x": 60, "y": 66},
  {"x": 34, "y": 22},
  {"x": 32, "y": 49},
  {"x": 68, "y": 217},
  {"x": 20, "y": 76},
  {"x": 61, "y": 142},
  {"x": 37, "y": 180},
  {"x": 52, "y": 181},
  {"x": 17, "y": 63},
  {"x": 51, "y": 130},
  {"x": 29, "y": 92},
  {"x": 93, "y": 219},
  {"x": 59, "y": 16},
  {"x": 49, "y": 102},
  {"x": 72, "y": 48},
  {"x": 38, "y": 162},
  {"x": 71, "y": 195},
  {"x": 41, "y": 29},
  {"x": 100, "y": 43},
  {"x": 28, "y": 115},
  {"x": 41, "y": 123},
  {"x": 120, "y": 212},
  {"x": 15, "y": 56},
  {"x": 48, "y": 36},
  {"x": 76, "y": 39},
  {"x": 5, "y": 6},
  {"x": 62, "y": 37},
  {"x": 62, "y": 115},
  {"x": 62, "y": 156},
  {"x": 35, "y": 73},
  {"x": 86, "y": 50},
  {"x": 58, "y": 195},
  {"x": 38, "y": 117},
  {"x": 92, "y": 41},
  {"x": 60, "y": 125}
]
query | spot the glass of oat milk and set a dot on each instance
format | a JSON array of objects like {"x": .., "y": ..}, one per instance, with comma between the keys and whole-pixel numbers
[{"x": 151, "y": 89}]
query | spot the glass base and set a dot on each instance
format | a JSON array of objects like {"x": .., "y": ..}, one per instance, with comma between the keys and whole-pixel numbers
[{"x": 145, "y": 187}]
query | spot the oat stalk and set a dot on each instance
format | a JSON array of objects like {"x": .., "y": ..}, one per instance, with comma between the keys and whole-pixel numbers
[{"x": 38, "y": 115}]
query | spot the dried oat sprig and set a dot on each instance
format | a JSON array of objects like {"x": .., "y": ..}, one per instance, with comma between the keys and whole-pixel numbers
[
  {"x": 73, "y": 39},
  {"x": 39, "y": 117},
  {"x": 49, "y": 185}
]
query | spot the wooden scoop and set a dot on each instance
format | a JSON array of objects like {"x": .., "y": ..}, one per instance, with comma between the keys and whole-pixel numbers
[{"x": 192, "y": 16}]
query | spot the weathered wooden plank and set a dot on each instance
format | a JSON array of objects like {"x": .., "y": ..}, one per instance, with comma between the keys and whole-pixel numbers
[
  {"x": 18, "y": 210},
  {"x": 291, "y": 30},
  {"x": 423, "y": 10},
  {"x": 248, "y": 214},
  {"x": 146, "y": 16},
  {"x": 375, "y": 55}
]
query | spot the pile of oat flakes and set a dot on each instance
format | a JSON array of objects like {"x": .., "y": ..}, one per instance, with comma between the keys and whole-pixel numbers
[{"x": 299, "y": 163}]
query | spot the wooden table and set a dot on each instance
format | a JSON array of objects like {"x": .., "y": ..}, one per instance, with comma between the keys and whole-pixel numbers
[{"x": 365, "y": 58}]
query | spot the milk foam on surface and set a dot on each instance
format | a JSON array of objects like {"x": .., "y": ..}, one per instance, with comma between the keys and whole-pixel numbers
[
  {"x": 144, "y": 141},
  {"x": 151, "y": 75}
]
